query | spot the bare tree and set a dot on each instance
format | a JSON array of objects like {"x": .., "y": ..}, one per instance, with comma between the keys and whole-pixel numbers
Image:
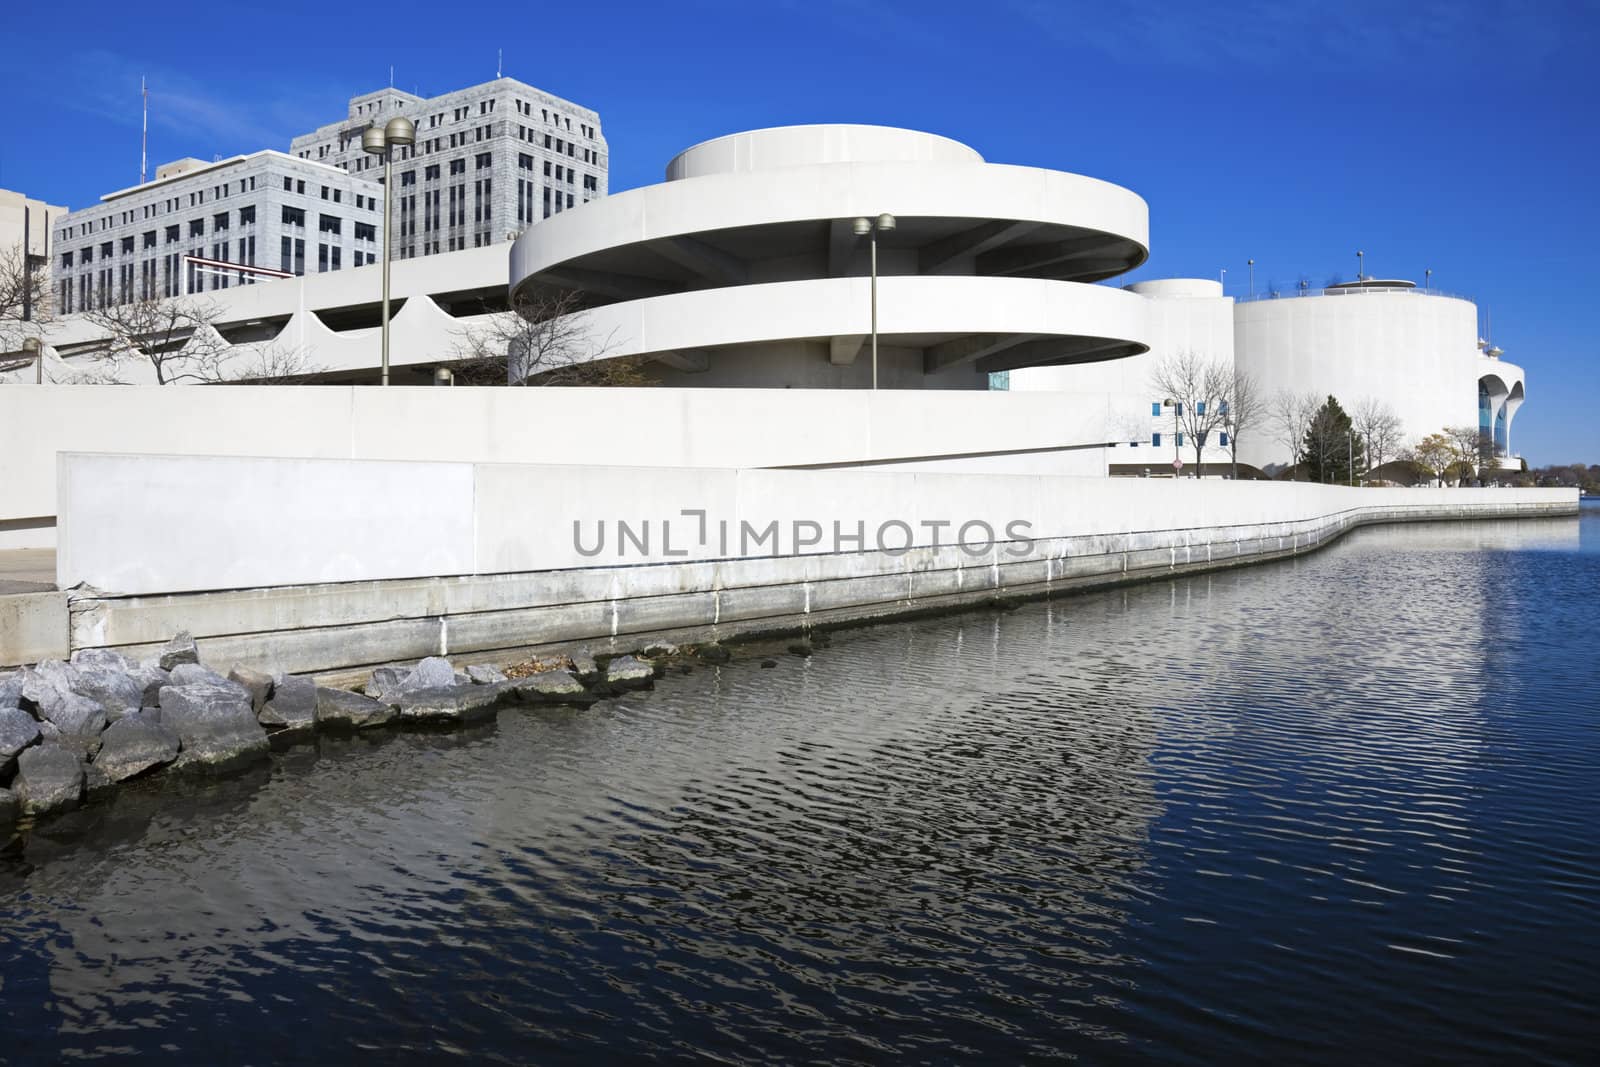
[
  {"x": 544, "y": 339},
  {"x": 1244, "y": 412},
  {"x": 1290, "y": 414},
  {"x": 1196, "y": 390},
  {"x": 272, "y": 365},
  {"x": 25, "y": 302},
  {"x": 1474, "y": 449},
  {"x": 175, "y": 337},
  {"x": 1380, "y": 428}
]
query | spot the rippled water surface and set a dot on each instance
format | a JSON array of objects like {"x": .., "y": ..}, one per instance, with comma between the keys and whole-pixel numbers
[{"x": 1339, "y": 809}]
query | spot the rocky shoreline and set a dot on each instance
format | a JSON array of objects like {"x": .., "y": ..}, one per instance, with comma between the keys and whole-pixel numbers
[{"x": 71, "y": 731}]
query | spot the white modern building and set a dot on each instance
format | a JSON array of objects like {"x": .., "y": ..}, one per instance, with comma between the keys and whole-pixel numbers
[
  {"x": 753, "y": 263},
  {"x": 489, "y": 161},
  {"x": 178, "y": 234}
]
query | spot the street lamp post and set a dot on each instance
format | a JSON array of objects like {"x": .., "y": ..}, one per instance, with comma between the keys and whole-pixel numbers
[
  {"x": 398, "y": 133},
  {"x": 34, "y": 348},
  {"x": 1233, "y": 446},
  {"x": 1361, "y": 267},
  {"x": 1252, "y": 264},
  {"x": 1427, "y": 280},
  {"x": 1177, "y": 460},
  {"x": 866, "y": 227}
]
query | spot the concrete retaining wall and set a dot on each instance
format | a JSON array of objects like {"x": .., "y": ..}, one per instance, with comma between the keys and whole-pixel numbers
[
  {"x": 388, "y": 577},
  {"x": 645, "y": 427}
]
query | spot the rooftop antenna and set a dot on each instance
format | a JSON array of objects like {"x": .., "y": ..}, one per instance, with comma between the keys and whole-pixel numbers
[
  {"x": 144, "y": 137},
  {"x": 391, "y": 75},
  {"x": 499, "y": 62}
]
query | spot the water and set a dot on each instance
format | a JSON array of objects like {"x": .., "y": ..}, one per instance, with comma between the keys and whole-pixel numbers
[{"x": 1337, "y": 809}]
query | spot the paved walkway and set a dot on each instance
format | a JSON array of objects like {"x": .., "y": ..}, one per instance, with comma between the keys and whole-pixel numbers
[{"x": 27, "y": 570}]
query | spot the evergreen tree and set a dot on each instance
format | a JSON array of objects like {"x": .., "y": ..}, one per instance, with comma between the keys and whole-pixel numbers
[{"x": 1330, "y": 447}]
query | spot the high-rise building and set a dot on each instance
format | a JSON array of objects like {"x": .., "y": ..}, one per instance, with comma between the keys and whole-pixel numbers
[
  {"x": 489, "y": 161},
  {"x": 182, "y": 232},
  {"x": 25, "y": 231}
]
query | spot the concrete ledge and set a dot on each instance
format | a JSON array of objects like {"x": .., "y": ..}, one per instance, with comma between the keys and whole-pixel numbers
[
  {"x": 326, "y": 628},
  {"x": 33, "y": 626}
]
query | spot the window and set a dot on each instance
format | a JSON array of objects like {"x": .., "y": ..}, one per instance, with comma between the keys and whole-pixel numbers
[
  {"x": 1200, "y": 407},
  {"x": 458, "y": 166},
  {"x": 66, "y": 261},
  {"x": 1155, "y": 440},
  {"x": 408, "y": 178},
  {"x": 294, "y": 216},
  {"x": 484, "y": 160},
  {"x": 366, "y": 231},
  {"x": 288, "y": 187},
  {"x": 127, "y": 245},
  {"x": 219, "y": 221},
  {"x": 87, "y": 256},
  {"x": 1155, "y": 407},
  {"x": 149, "y": 239},
  {"x": 329, "y": 224},
  {"x": 105, "y": 249},
  {"x": 172, "y": 235},
  {"x": 197, "y": 227},
  {"x": 431, "y": 173},
  {"x": 247, "y": 216},
  {"x": 336, "y": 193},
  {"x": 1222, "y": 438},
  {"x": 300, "y": 187},
  {"x": 1180, "y": 440}
]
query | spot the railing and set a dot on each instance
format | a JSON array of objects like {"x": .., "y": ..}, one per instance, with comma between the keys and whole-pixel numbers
[{"x": 1351, "y": 290}]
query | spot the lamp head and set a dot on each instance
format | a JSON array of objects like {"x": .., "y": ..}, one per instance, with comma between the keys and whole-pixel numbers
[
  {"x": 31, "y": 346},
  {"x": 372, "y": 141},
  {"x": 863, "y": 226},
  {"x": 400, "y": 131},
  {"x": 886, "y": 221}
]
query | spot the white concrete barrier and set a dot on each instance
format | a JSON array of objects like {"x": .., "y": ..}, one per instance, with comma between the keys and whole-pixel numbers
[{"x": 656, "y": 427}]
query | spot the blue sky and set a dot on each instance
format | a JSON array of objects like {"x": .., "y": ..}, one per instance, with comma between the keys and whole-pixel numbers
[{"x": 1459, "y": 136}]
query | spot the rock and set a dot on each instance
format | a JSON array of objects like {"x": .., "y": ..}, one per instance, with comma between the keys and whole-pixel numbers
[
  {"x": 151, "y": 679},
  {"x": 714, "y": 653},
  {"x": 18, "y": 730},
  {"x": 214, "y": 724},
  {"x": 195, "y": 674},
  {"x": 10, "y": 807},
  {"x": 584, "y": 666},
  {"x": 73, "y": 714},
  {"x": 456, "y": 703},
  {"x": 10, "y": 689},
  {"x": 49, "y": 778},
  {"x": 660, "y": 650},
  {"x": 484, "y": 674},
  {"x": 133, "y": 745},
  {"x": 629, "y": 672},
  {"x": 340, "y": 709},
  {"x": 96, "y": 781},
  {"x": 258, "y": 685},
  {"x": 801, "y": 648},
  {"x": 293, "y": 705},
  {"x": 432, "y": 673},
  {"x": 552, "y": 687},
  {"x": 769, "y": 663},
  {"x": 181, "y": 649},
  {"x": 105, "y": 659},
  {"x": 386, "y": 680},
  {"x": 112, "y": 688}
]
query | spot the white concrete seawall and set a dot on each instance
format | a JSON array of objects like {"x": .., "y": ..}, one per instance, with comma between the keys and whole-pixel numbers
[{"x": 416, "y": 559}]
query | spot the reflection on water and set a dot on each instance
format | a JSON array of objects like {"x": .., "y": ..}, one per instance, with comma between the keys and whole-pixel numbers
[{"x": 1337, "y": 807}]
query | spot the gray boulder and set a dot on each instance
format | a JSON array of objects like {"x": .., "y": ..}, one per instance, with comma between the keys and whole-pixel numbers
[
  {"x": 74, "y": 715},
  {"x": 196, "y": 674},
  {"x": 660, "y": 650},
  {"x": 151, "y": 679},
  {"x": 452, "y": 703},
  {"x": 49, "y": 778},
  {"x": 181, "y": 649},
  {"x": 584, "y": 666},
  {"x": 10, "y": 689},
  {"x": 133, "y": 745},
  {"x": 629, "y": 672},
  {"x": 386, "y": 680},
  {"x": 18, "y": 730},
  {"x": 431, "y": 673},
  {"x": 484, "y": 674},
  {"x": 293, "y": 705},
  {"x": 102, "y": 658},
  {"x": 215, "y": 726},
  {"x": 258, "y": 685},
  {"x": 552, "y": 687},
  {"x": 340, "y": 709},
  {"x": 115, "y": 691}
]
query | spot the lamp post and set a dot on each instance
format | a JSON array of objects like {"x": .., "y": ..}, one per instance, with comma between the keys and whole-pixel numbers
[
  {"x": 1361, "y": 268},
  {"x": 1233, "y": 446},
  {"x": 1427, "y": 280},
  {"x": 1222, "y": 279},
  {"x": 33, "y": 348},
  {"x": 866, "y": 227},
  {"x": 1177, "y": 460},
  {"x": 1252, "y": 264},
  {"x": 398, "y": 133}
]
